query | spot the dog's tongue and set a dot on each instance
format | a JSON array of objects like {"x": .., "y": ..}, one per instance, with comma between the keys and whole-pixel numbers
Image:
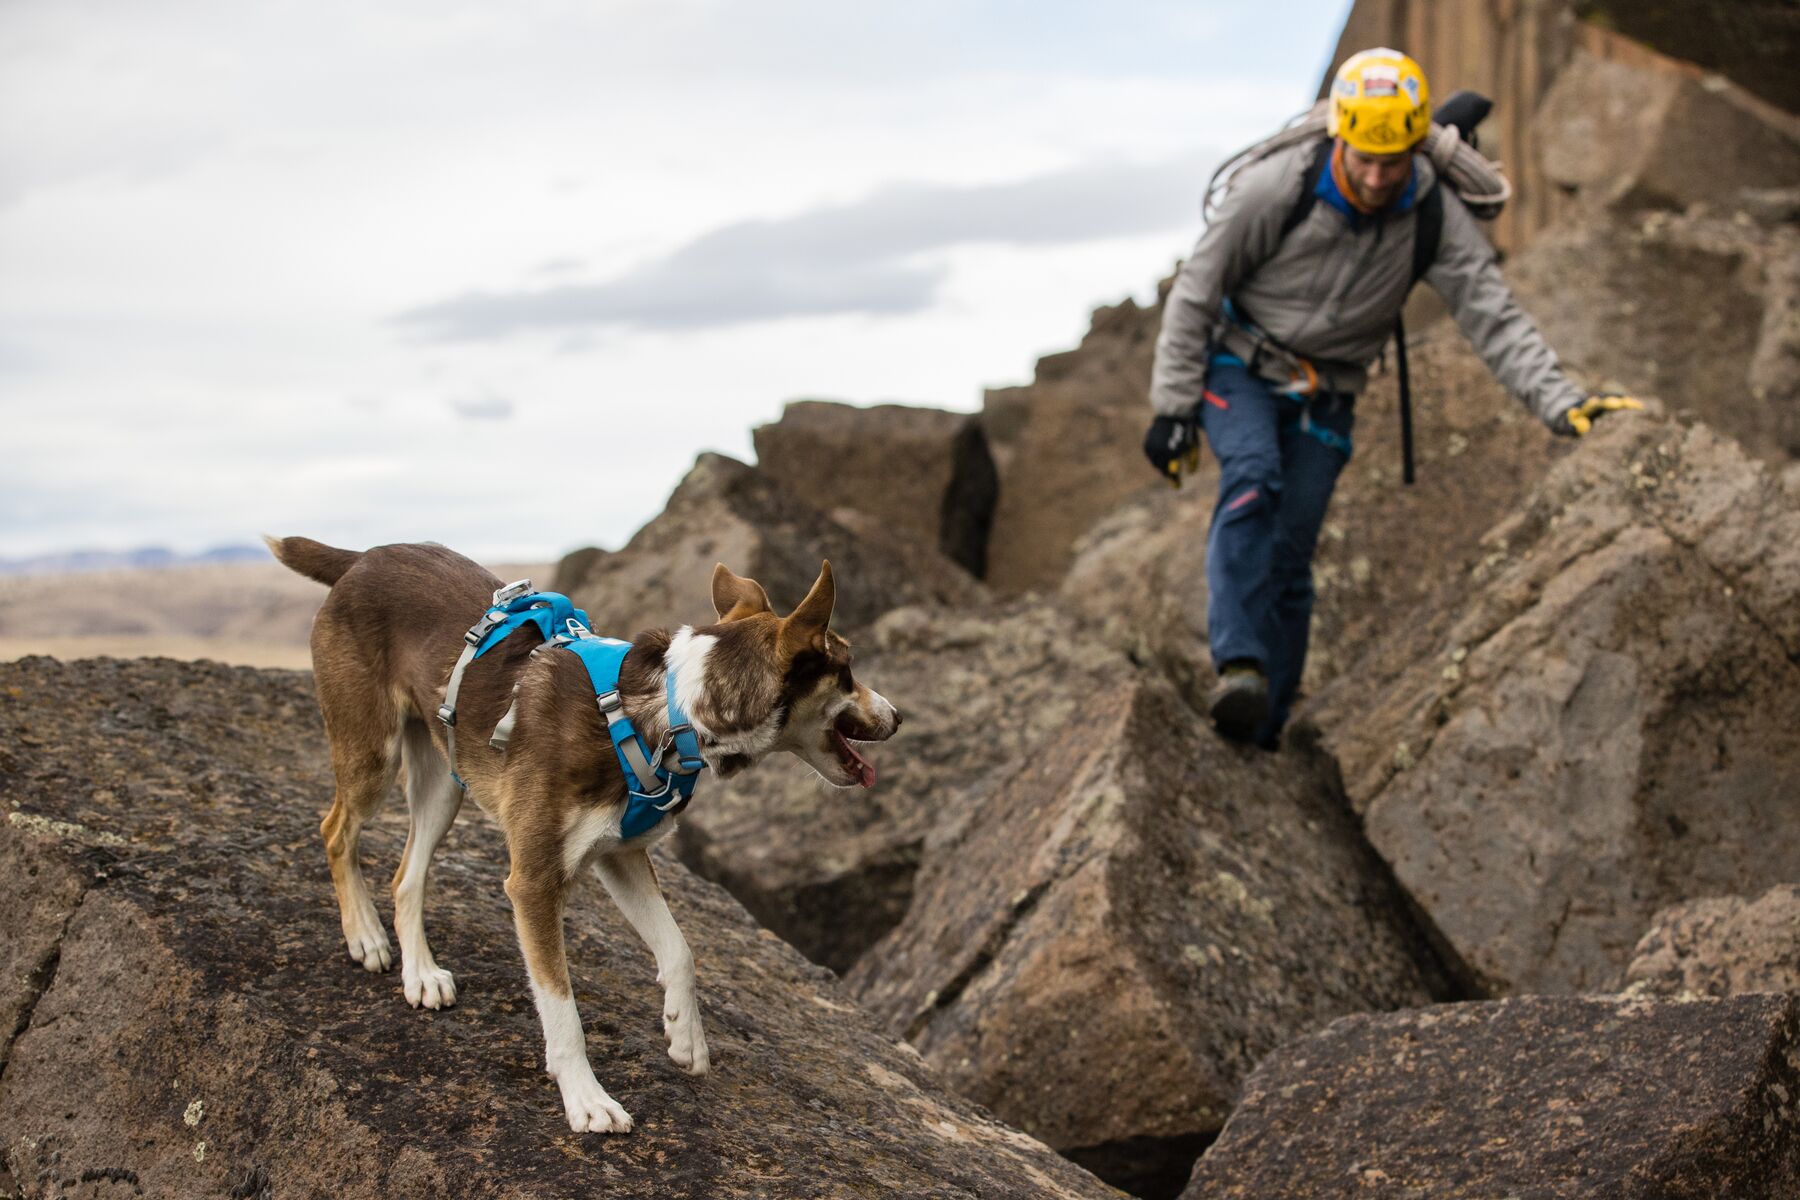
[{"x": 865, "y": 770}]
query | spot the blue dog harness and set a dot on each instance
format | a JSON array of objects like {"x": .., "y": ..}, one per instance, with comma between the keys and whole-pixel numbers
[{"x": 658, "y": 782}]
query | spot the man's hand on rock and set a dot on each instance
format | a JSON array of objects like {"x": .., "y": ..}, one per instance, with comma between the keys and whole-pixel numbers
[
  {"x": 1170, "y": 445},
  {"x": 1579, "y": 419}
]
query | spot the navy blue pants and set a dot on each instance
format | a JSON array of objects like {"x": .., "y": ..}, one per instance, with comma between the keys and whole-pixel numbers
[{"x": 1279, "y": 457}]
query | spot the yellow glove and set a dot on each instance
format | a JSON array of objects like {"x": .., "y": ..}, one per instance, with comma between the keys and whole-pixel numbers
[
  {"x": 1189, "y": 461},
  {"x": 1578, "y": 420}
]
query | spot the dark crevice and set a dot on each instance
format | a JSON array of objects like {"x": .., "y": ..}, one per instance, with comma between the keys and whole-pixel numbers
[
  {"x": 38, "y": 984},
  {"x": 1447, "y": 977},
  {"x": 1151, "y": 1168},
  {"x": 947, "y": 995},
  {"x": 966, "y": 513}
]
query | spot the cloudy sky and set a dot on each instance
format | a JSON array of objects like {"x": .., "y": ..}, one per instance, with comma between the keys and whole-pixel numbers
[{"x": 493, "y": 274}]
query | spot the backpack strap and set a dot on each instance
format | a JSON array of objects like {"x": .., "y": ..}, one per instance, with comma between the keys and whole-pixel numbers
[
  {"x": 1428, "y": 233},
  {"x": 1309, "y": 190}
]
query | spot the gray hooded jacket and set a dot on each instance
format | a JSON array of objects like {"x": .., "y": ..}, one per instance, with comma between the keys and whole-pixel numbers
[{"x": 1330, "y": 292}]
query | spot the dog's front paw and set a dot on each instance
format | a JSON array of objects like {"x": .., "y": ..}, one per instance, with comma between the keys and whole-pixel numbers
[
  {"x": 687, "y": 1040},
  {"x": 427, "y": 987},
  {"x": 591, "y": 1110}
]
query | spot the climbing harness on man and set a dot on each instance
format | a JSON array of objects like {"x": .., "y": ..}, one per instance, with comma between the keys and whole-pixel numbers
[{"x": 660, "y": 780}]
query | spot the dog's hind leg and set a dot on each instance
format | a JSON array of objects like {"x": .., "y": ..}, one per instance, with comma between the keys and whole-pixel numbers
[
  {"x": 538, "y": 886},
  {"x": 432, "y": 800},
  {"x": 364, "y": 728},
  {"x": 630, "y": 879}
]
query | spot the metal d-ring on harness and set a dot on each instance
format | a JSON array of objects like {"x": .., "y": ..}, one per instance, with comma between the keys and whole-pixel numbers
[{"x": 667, "y": 775}]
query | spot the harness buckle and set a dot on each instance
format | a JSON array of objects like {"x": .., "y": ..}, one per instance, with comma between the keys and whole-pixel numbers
[
  {"x": 478, "y": 632},
  {"x": 512, "y": 591},
  {"x": 447, "y": 715},
  {"x": 609, "y": 702}
]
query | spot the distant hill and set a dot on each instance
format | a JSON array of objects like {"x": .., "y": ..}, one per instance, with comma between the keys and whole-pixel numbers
[{"x": 143, "y": 556}]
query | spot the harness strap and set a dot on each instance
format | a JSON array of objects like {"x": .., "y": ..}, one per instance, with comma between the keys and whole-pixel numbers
[
  {"x": 514, "y": 606},
  {"x": 667, "y": 774},
  {"x": 447, "y": 710},
  {"x": 629, "y": 746},
  {"x": 503, "y": 731}
]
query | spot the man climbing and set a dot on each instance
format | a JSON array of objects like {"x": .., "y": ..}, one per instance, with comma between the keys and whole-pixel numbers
[{"x": 1273, "y": 321}]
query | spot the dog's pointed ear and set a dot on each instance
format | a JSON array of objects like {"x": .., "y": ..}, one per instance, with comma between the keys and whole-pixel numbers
[
  {"x": 805, "y": 626},
  {"x": 735, "y": 597}
]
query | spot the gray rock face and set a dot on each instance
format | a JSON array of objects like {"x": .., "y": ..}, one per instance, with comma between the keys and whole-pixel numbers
[
  {"x": 1127, "y": 924},
  {"x": 725, "y": 511},
  {"x": 922, "y": 473},
  {"x": 1598, "y": 720},
  {"x": 1067, "y": 447},
  {"x": 832, "y": 871},
  {"x": 1645, "y": 132},
  {"x": 1701, "y": 310},
  {"x": 1721, "y": 946},
  {"x": 200, "y": 1032},
  {"x": 1601, "y": 1098}
]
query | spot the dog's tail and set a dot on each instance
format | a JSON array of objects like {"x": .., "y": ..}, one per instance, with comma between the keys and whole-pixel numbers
[{"x": 315, "y": 560}]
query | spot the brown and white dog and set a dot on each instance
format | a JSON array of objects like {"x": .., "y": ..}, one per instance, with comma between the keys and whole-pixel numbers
[{"x": 383, "y": 645}]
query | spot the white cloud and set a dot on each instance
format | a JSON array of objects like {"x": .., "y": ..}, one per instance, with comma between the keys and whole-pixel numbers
[{"x": 209, "y": 212}]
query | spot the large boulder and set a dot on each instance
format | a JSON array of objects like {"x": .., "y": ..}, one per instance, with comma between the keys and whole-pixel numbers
[
  {"x": 1749, "y": 41},
  {"x": 199, "y": 1031},
  {"x": 1699, "y": 309},
  {"x": 921, "y": 472},
  {"x": 1597, "y": 720},
  {"x": 1624, "y": 125},
  {"x": 1067, "y": 446},
  {"x": 1721, "y": 946},
  {"x": 725, "y": 511},
  {"x": 1127, "y": 924},
  {"x": 832, "y": 871},
  {"x": 1600, "y": 1098}
]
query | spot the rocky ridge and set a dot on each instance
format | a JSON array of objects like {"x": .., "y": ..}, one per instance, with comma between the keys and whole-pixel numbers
[{"x": 189, "y": 1023}]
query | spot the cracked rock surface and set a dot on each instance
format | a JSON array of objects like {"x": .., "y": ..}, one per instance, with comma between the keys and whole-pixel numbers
[
  {"x": 1598, "y": 720},
  {"x": 1125, "y": 926},
  {"x": 1601, "y": 1098},
  {"x": 192, "y": 1026}
]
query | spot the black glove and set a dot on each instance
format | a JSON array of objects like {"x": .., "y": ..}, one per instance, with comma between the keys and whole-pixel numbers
[{"x": 1169, "y": 441}]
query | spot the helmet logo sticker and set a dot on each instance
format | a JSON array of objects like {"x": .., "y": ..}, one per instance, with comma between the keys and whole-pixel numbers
[
  {"x": 1411, "y": 84},
  {"x": 1381, "y": 80}
]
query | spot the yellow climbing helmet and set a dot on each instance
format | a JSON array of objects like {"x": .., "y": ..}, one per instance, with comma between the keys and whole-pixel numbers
[{"x": 1380, "y": 103}]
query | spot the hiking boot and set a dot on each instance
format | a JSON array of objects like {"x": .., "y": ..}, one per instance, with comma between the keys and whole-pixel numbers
[{"x": 1240, "y": 700}]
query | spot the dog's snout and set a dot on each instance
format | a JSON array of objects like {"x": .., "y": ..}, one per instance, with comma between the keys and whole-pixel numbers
[{"x": 897, "y": 719}]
